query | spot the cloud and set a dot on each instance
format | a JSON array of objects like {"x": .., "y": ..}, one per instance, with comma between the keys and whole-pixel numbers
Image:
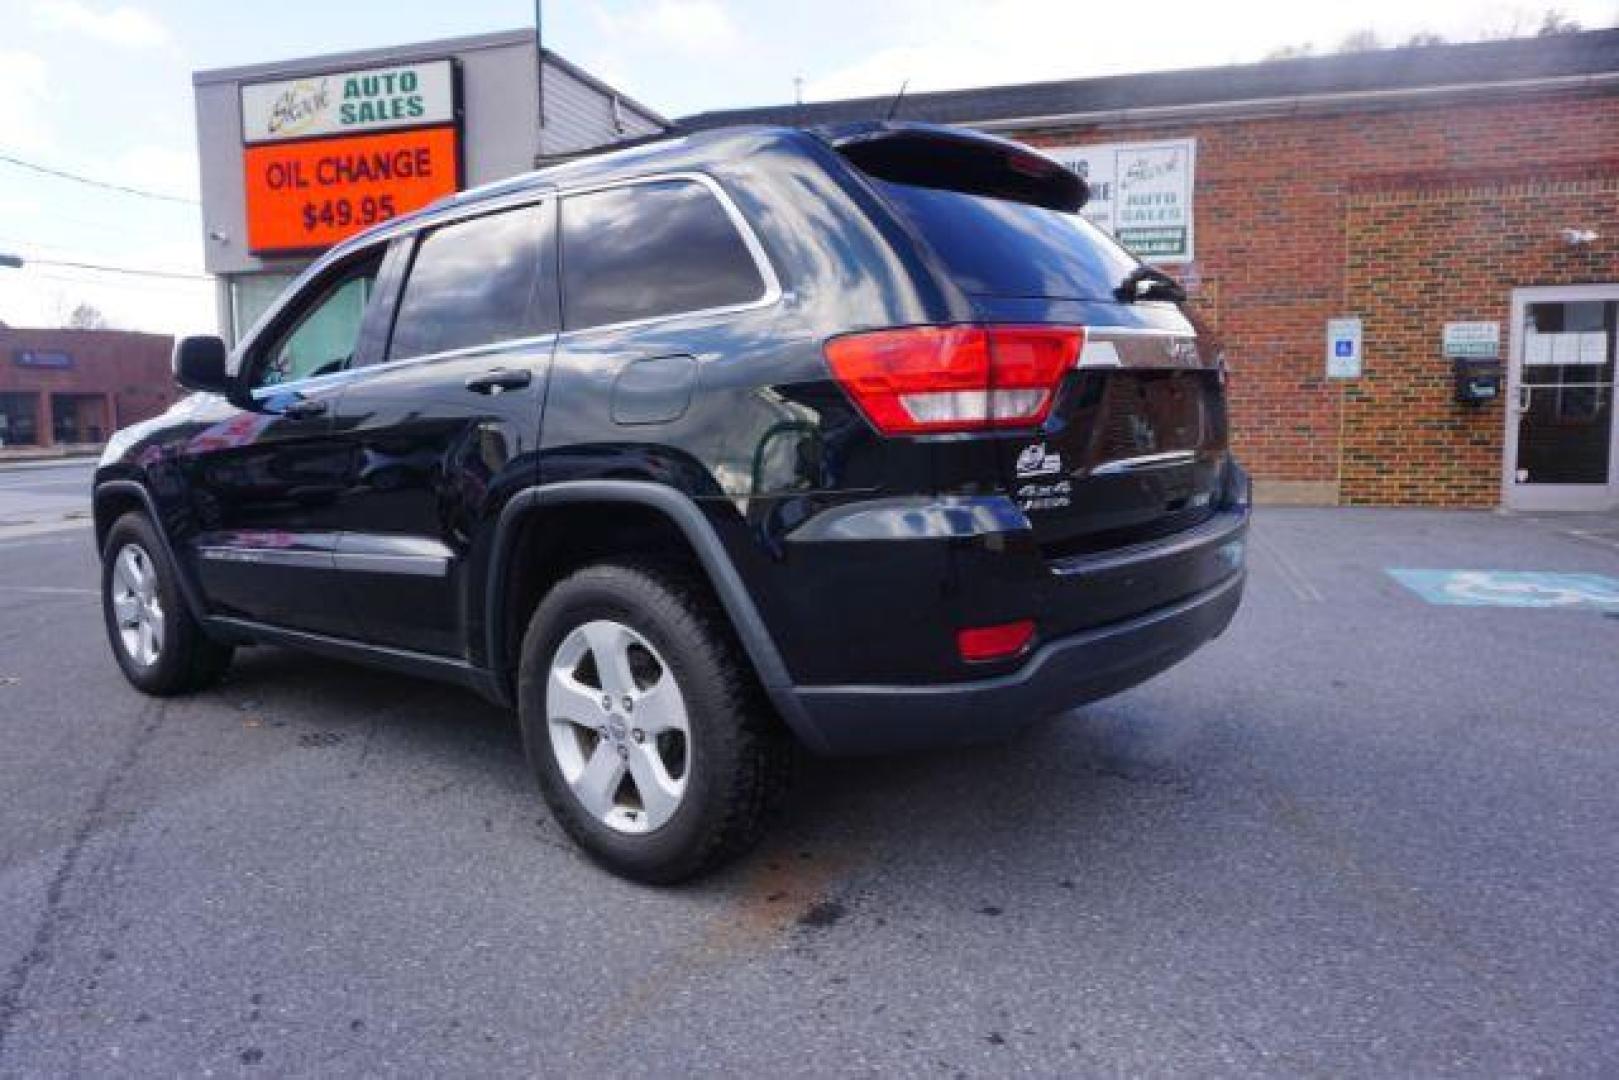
[
  {"x": 687, "y": 26},
  {"x": 125, "y": 25},
  {"x": 24, "y": 86},
  {"x": 162, "y": 169}
]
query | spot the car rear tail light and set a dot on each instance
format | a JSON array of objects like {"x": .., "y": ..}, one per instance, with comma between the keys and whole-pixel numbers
[
  {"x": 994, "y": 642},
  {"x": 923, "y": 379}
]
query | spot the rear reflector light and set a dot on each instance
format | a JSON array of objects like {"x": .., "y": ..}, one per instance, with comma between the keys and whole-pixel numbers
[
  {"x": 920, "y": 379},
  {"x": 994, "y": 642}
]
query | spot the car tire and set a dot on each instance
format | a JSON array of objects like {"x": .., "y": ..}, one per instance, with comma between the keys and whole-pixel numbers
[
  {"x": 669, "y": 807},
  {"x": 160, "y": 647}
]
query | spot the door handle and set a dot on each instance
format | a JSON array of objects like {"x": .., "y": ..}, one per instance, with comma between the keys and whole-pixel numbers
[
  {"x": 305, "y": 409},
  {"x": 500, "y": 379}
]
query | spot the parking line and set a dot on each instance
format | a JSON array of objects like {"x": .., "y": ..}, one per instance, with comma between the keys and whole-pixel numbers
[
  {"x": 1292, "y": 576},
  {"x": 48, "y": 590},
  {"x": 1592, "y": 538}
]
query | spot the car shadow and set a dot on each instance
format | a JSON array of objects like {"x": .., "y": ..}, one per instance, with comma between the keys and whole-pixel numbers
[{"x": 1074, "y": 772}]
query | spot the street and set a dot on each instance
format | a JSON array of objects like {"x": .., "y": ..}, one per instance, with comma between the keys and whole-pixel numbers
[
  {"x": 38, "y": 496},
  {"x": 1360, "y": 834}
]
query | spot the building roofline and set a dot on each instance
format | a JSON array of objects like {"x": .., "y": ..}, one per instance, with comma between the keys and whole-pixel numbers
[
  {"x": 1348, "y": 80},
  {"x": 382, "y": 56},
  {"x": 1309, "y": 104},
  {"x": 595, "y": 83}
]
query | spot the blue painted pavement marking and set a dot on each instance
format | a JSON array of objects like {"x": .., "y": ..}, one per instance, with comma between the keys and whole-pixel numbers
[{"x": 1512, "y": 588}]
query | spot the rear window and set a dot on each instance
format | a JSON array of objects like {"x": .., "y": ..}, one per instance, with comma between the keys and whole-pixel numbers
[
  {"x": 477, "y": 282},
  {"x": 997, "y": 247},
  {"x": 645, "y": 250}
]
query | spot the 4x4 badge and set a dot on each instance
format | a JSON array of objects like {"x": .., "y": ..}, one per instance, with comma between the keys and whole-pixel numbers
[{"x": 1035, "y": 460}]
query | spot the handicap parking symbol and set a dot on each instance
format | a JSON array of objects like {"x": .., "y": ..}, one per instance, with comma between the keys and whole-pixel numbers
[{"x": 1512, "y": 588}]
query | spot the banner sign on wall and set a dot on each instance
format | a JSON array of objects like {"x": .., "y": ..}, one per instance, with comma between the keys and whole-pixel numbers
[
  {"x": 1140, "y": 192},
  {"x": 331, "y": 155},
  {"x": 349, "y": 102}
]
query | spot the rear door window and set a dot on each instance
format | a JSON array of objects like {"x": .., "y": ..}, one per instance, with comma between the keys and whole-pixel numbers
[
  {"x": 646, "y": 250},
  {"x": 998, "y": 247},
  {"x": 477, "y": 282}
]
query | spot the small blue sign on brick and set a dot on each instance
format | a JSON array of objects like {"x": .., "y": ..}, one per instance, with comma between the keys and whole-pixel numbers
[
  {"x": 1513, "y": 588},
  {"x": 54, "y": 359}
]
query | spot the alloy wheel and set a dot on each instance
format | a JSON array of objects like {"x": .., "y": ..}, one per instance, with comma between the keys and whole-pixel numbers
[
  {"x": 136, "y": 605},
  {"x": 618, "y": 726}
]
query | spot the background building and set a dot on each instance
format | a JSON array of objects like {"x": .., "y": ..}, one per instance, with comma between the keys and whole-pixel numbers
[
  {"x": 71, "y": 387},
  {"x": 1375, "y": 235},
  {"x": 298, "y": 154},
  {"x": 1396, "y": 211}
]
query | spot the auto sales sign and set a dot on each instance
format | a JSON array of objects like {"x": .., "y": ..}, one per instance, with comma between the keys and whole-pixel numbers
[
  {"x": 326, "y": 156},
  {"x": 1140, "y": 192}
]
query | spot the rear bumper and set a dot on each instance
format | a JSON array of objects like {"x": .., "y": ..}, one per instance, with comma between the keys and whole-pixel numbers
[{"x": 1063, "y": 673}]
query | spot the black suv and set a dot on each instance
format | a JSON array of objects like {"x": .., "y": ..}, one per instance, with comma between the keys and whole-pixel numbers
[{"x": 859, "y": 438}]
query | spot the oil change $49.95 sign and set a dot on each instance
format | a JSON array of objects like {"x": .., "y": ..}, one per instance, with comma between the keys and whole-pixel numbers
[
  {"x": 329, "y": 155},
  {"x": 307, "y": 195}
]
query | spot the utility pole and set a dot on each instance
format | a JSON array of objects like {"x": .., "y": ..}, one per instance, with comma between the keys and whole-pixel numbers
[{"x": 539, "y": 58}]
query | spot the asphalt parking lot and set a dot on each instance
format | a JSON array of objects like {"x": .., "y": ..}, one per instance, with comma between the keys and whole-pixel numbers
[{"x": 1360, "y": 834}]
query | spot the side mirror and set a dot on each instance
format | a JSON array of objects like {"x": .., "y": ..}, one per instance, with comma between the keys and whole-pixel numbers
[{"x": 199, "y": 364}]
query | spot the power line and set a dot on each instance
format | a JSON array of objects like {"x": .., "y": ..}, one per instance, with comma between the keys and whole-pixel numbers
[
  {"x": 104, "y": 269},
  {"x": 61, "y": 174},
  {"x": 163, "y": 288}
]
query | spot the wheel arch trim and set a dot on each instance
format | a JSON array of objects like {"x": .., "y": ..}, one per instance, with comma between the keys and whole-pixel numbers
[
  {"x": 686, "y": 516},
  {"x": 110, "y": 488}
]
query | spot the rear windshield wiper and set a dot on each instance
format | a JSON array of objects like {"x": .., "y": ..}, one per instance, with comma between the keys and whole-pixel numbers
[{"x": 1148, "y": 283}]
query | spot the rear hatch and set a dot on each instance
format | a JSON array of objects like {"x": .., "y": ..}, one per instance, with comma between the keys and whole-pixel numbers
[{"x": 1133, "y": 447}]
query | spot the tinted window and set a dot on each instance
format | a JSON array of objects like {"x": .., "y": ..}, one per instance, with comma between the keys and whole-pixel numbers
[
  {"x": 996, "y": 247},
  {"x": 323, "y": 338},
  {"x": 476, "y": 282},
  {"x": 651, "y": 249}
]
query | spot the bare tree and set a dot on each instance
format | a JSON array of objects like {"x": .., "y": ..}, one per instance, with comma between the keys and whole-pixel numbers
[
  {"x": 85, "y": 316},
  {"x": 1291, "y": 52},
  {"x": 1360, "y": 41},
  {"x": 1553, "y": 22}
]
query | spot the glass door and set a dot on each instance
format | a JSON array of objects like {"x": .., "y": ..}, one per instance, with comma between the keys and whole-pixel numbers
[{"x": 1561, "y": 451}]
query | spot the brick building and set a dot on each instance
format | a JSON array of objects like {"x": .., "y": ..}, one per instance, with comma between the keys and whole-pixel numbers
[
  {"x": 63, "y": 387},
  {"x": 1456, "y": 200}
]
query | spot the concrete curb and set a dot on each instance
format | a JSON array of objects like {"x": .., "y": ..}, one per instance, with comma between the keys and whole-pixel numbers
[{"x": 21, "y": 464}]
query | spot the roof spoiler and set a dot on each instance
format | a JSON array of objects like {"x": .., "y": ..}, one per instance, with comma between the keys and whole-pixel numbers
[{"x": 932, "y": 155}]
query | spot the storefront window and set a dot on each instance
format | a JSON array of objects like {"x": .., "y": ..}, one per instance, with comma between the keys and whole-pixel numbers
[
  {"x": 19, "y": 419},
  {"x": 79, "y": 418},
  {"x": 251, "y": 296}
]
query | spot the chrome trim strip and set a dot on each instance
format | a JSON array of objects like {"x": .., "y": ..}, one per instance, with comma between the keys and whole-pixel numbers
[
  {"x": 313, "y": 560},
  {"x": 1145, "y": 461},
  {"x": 362, "y": 561},
  {"x": 1138, "y": 331},
  {"x": 413, "y": 565},
  {"x": 338, "y": 378}
]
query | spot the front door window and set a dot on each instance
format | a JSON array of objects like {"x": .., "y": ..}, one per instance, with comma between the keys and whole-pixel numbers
[{"x": 323, "y": 340}]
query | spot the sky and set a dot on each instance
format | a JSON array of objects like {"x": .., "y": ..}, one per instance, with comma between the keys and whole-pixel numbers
[{"x": 102, "y": 88}]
